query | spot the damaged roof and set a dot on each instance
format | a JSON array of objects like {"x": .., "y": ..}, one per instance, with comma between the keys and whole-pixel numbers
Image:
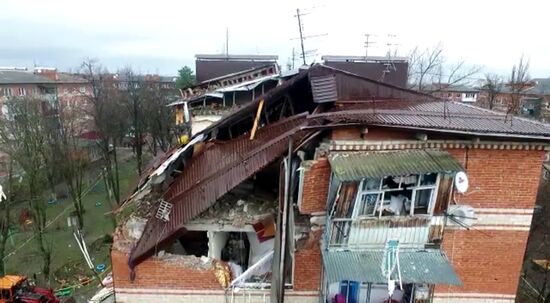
[
  {"x": 218, "y": 166},
  {"x": 440, "y": 116},
  {"x": 210, "y": 175}
]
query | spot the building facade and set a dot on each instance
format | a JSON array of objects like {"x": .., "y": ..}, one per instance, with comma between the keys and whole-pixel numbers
[
  {"x": 457, "y": 93},
  {"x": 357, "y": 195},
  {"x": 533, "y": 103}
]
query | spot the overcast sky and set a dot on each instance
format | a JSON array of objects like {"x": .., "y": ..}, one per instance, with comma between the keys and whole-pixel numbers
[{"x": 161, "y": 36}]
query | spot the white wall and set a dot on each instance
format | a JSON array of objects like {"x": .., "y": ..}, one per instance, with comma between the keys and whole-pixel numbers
[{"x": 216, "y": 242}]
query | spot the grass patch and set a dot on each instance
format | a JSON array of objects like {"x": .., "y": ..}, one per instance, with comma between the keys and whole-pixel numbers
[{"x": 68, "y": 264}]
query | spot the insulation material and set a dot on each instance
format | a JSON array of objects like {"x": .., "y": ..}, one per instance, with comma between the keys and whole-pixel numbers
[{"x": 222, "y": 273}]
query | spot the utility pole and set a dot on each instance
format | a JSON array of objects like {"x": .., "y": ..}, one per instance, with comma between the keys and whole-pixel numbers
[
  {"x": 301, "y": 35},
  {"x": 304, "y": 37}
]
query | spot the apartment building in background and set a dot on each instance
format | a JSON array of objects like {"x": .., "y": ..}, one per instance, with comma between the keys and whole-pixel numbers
[{"x": 457, "y": 93}]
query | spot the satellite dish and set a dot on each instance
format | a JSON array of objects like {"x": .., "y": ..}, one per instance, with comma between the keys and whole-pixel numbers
[{"x": 461, "y": 182}]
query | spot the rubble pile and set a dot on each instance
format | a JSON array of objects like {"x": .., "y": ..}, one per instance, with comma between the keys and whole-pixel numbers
[
  {"x": 237, "y": 208},
  {"x": 189, "y": 261},
  {"x": 128, "y": 233}
]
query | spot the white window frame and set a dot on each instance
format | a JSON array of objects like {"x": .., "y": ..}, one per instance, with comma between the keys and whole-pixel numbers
[
  {"x": 382, "y": 192},
  {"x": 22, "y": 91}
]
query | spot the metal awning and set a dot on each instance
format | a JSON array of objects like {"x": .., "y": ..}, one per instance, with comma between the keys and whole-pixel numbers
[
  {"x": 356, "y": 166},
  {"x": 429, "y": 266}
]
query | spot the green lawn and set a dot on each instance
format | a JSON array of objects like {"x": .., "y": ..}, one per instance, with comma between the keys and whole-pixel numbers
[{"x": 67, "y": 260}]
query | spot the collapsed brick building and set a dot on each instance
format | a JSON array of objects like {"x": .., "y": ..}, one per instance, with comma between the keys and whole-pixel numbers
[{"x": 332, "y": 187}]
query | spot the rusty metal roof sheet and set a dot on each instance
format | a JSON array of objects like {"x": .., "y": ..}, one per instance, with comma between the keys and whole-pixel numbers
[
  {"x": 429, "y": 266},
  {"x": 445, "y": 116},
  {"x": 210, "y": 175},
  {"x": 356, "y": 166}
]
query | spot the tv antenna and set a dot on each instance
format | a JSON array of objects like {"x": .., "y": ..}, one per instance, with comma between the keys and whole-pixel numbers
[
  {"x": 368, "y": 43},
  {"x": 304, "y": 37},
  {"x": 390, "y": 65}
]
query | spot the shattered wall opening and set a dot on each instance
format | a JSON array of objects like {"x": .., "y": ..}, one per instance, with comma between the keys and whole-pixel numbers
[{"x": 193, "y": 243}]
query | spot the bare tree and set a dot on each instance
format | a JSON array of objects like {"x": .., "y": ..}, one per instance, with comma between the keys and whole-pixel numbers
[
  {"x": 492, "y": 86},
  {"x": 518, "y": 82},
  {"x": 134, "y": 101},
  {"x": 429, "y": 67},
  {"x": 109, "y": 117},
  {"x": 5, "y": 219},
  {"x": 158, "y": 117},
  {"x": 71, "y": 156},
  {"x": 24, "y": 137}
]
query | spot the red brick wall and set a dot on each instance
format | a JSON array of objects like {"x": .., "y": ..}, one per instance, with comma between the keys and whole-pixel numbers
[
  {"x": 307, "y": 269},
  {"x": 489, "y": 261},
  {"x": 500, "y": 178},
  {"x": 346, "y": 133},
  {"x": 486, "y": 262},
  {"x": 373, "y": 133},
  {"x": 315, "y": 186},
  {"x": 29, "y": 88},
  {"x": 387, "y": 134},
  {"x": 157, "y": 274}
]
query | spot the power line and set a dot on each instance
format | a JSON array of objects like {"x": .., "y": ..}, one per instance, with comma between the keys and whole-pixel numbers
[{"x": 52, "y": 221}]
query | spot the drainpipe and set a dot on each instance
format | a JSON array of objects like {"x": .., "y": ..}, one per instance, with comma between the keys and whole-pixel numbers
[{"x": 288, "y": 176}]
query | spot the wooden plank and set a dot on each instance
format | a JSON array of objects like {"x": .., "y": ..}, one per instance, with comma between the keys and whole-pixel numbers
[{"x": 257, "y": 119}]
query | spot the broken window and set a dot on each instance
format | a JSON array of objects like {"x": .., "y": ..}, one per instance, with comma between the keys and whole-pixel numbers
[{"x": 396, "y": 195}]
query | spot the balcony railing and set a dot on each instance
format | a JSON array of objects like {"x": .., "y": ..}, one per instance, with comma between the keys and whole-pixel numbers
[{"x": 411, "y": 231}]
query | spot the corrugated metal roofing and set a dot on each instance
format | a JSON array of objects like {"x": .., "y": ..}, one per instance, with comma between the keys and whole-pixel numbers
[
  {"x": 356, "y": 166},
  {"x": 425, "y": 266},
  {"x": 210, "y": 175},
  {"x": 439, "y": 116},
  {"x": 323, "y": 89}
]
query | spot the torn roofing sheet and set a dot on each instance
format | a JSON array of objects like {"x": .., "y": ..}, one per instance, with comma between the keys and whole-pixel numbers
[{"x": 210, "y": 175}]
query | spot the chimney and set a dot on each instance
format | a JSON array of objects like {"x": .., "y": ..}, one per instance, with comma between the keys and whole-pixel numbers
[{"x": 48, "y": 72}]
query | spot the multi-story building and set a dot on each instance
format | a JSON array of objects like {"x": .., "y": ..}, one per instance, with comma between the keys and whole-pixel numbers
[
  {"x": 534, "y": 100},
  {"x": 457, "y": 93},
  {"x": 364, "y": 192},
  {"x": 210, "y": 100},
  {"x": 209, "y": 67},
  {"x": 20, "y": 83}
]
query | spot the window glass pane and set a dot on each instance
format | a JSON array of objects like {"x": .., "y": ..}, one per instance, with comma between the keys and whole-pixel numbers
[
  {"x": 422, "y": 201},
  {"x": 371, "y": 184},
  {"x": 366, "y": 205},
  {"x": 390, "y": 182},
  {"x": 428, "y": 179}
]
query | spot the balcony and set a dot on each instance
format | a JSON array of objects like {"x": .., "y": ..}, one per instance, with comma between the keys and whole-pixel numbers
[{"x": 372, "y": 233}]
